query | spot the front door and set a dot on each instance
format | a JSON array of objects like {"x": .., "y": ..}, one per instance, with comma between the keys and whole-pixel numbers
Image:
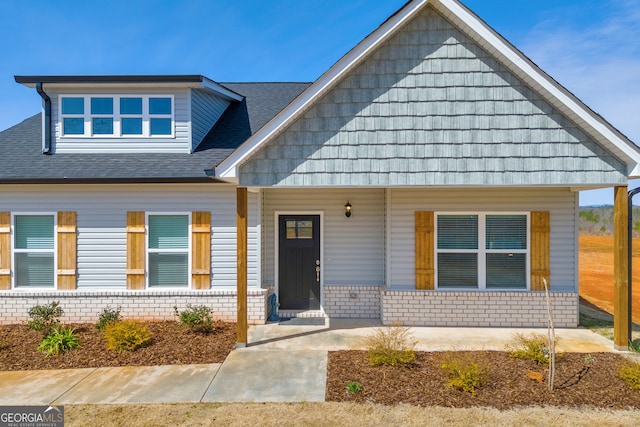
[{"x": 299, "y": 262}]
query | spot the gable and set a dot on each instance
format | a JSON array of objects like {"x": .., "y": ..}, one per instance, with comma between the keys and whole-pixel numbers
[{"x": 431, "y": 107}]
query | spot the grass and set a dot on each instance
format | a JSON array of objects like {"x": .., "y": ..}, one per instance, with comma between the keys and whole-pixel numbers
[
  {"x": 335, "y": 414},
  {"x": 604, "y": 326}
]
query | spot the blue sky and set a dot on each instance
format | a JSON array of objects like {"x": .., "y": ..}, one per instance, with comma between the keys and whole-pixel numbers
[{"x": 591, "y": 47}]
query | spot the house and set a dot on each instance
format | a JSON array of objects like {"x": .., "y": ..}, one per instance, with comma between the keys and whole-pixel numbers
[{"x": 429, "y": 177}]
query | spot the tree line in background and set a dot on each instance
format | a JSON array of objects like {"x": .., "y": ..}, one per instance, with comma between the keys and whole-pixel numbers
[{"x": 598, "y": 220}]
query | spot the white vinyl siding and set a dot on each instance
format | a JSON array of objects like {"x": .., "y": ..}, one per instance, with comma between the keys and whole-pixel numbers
[
  {"x": 206, "y": 109},
  {"x": 560, "y": 202},
  {"x": 353, "y": 248},
  {"x": 101, "y": 224},
  {"x": 178, "y": 142}
]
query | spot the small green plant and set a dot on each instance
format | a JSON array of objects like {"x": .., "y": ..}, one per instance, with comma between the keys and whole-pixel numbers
[
  {"x": 464, "y": 373},
  {"x": 126, "y": 335},
  {"x": 108, "y": 315},
  {"x": 196, "y": 318},
  {"x": 530, "y": 347},
  {"x": 45, "y": 317},
  {"x": 59, "y": 340},
  {"x": 634, "y": 345},
  {"x": 631, "y": 375},
  {"x": 588, "y": 359},
  {"x": 354, "y": 387},
  {"x": 390, "y": 346}
]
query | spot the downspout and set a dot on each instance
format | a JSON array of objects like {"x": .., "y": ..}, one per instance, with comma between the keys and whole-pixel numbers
[
  {"x": 46, "y": 102},
  {"x": 630, "y": 256}
]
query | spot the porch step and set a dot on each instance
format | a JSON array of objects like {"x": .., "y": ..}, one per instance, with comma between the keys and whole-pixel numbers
[{"x": 291, "y": 314}]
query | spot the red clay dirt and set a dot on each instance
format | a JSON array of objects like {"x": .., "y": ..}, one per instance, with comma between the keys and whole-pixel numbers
[{"x": 596, "y": 273}]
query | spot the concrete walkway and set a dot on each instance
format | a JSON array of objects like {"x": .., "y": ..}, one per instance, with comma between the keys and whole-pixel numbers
[{"x": 284, "y": 362}]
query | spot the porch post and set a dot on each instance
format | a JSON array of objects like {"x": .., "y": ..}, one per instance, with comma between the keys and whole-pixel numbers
[
  {"x": 241, "y": 226},
  {"x": 621, "y": 269}
]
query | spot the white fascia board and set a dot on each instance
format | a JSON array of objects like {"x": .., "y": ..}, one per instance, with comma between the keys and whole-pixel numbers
[
  {"x": 227, "y": 168},
  {"x": 221, "y": 90},
  {"x": 609, "y": 135}
]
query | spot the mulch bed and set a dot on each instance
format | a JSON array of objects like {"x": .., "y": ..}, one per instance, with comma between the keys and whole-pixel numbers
[
  {"x": 581, "y": 380},
  {"x": 170, "y": 345}
]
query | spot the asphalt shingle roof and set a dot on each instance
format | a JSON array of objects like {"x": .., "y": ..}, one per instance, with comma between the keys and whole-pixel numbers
[{"x": 21, "y": 157}]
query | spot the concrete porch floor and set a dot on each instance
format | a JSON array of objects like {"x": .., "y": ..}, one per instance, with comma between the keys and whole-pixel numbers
[{"x": 340, "y": 334}]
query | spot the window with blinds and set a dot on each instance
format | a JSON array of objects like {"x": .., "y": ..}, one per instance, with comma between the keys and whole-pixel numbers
[
  {"x": 168, "y": 251},
  {"x": 482, "y": 251},
  {"x": 34, "y": 250}
]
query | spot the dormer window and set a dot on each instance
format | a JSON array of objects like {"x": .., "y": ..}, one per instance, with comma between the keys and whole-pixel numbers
[{"x": 117, "y": 116}]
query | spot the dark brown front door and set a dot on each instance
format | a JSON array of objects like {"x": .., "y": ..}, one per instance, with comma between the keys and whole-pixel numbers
[{"x": 299, "y": 262}]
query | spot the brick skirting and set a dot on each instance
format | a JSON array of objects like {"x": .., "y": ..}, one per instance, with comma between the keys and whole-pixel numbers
[
  {"x": 86, "y": 306},
  {"x": 361, "y": 302},
  {"x": 469, "y": 308}
]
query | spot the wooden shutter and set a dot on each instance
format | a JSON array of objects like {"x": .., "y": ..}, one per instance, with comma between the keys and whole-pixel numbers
[
  {"x": 425, "y": 276},
  {"x": 540, "y": 250},
  {"x": 201, "y": 250},
  {"x": 136, "y": 250},
  {"x": 67, "y": 250},
  {"x": 5, "y": 250}
]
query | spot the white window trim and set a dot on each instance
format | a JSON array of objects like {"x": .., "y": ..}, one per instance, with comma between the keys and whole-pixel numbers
[
  {"x": 482, "y": 252},
  {"x": 117, "y": 123},
  {"x": 147, "y": 251},
  {"x": 14, "y": 251}
]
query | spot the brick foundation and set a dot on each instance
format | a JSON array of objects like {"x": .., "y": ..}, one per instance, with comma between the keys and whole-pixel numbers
[
  {"x": 86, "y": 306},
  {"x": 500, "y": 309},
  {"x": 361, "y": 302}
]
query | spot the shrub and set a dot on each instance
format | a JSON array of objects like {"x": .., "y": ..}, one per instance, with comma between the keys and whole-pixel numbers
[
  {"x": 464, "y": 373},
  {"x": 196, "y": 318},
  {"x": 354, "y": 387},
  {"x": 530, "y": 347},
  {"x": 45, "y": 317},
  {"x": 390, "y": 346},
  {"x": 126, "y": 335},
  {"x": 631, "y": 375},
  {"x": 634, "y": 345},
  {"x": 108, "y": 315},
  {"x": 59, "y": 340}
]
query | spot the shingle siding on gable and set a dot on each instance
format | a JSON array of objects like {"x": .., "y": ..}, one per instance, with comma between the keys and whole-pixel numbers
[
  {"x": 206, "y": 109},
  {"x": 430, "y": 107}
]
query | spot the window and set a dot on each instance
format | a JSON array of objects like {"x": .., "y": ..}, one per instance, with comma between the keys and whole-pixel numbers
[
  {"x": 482, "y": 251},
  {"x": 73, "y": 116},
  {"x": 168, "y": 251},
  {"x": 116, "y": 116},
  {"x": 34, "y": 250},
  {"x": 299, "y": 229}
]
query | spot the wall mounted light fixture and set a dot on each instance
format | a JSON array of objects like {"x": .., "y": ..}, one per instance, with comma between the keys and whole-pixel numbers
[{"x": 347, "y": 210}]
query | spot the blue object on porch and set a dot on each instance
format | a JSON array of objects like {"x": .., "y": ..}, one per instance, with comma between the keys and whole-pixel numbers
[{"x": 273, "y": 308}]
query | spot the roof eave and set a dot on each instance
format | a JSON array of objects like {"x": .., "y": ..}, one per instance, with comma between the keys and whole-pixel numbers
[{"x": 181, "y": 80}]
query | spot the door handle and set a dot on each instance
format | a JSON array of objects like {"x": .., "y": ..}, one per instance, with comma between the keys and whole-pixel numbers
[{"x": 318, "y": 270}]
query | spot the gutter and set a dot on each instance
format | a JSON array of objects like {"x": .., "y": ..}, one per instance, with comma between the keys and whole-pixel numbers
[{"x": 46, "y": 103}]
